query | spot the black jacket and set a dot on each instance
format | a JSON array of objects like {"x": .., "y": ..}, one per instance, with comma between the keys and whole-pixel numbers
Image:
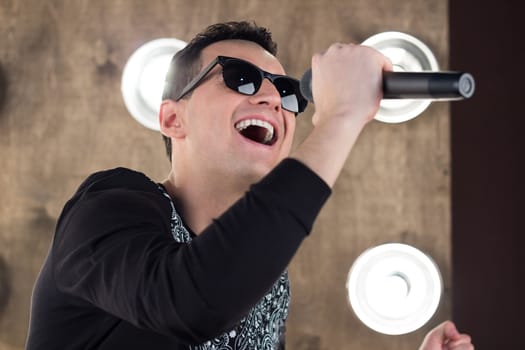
[{"x": 115, "y": 278}]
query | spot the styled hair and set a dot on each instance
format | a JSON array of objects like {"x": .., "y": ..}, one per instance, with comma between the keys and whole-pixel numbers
[{"x": 186, "y": 63}]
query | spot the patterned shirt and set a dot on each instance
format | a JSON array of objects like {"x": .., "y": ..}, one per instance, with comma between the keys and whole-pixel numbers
[{"x": 263, "y": 328}]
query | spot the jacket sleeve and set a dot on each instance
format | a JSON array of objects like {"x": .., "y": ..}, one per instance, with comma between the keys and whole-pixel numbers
[{"x": 114, "y": 249}]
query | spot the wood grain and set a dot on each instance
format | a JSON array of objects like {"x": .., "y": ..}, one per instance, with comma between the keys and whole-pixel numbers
[{"x": 63, "y": 117}]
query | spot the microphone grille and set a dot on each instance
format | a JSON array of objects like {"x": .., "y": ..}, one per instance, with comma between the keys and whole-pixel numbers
[{"x": 466, "y": 85}]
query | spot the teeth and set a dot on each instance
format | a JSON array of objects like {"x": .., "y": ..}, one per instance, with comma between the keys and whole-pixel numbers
[{"x": 256, "y": 122}]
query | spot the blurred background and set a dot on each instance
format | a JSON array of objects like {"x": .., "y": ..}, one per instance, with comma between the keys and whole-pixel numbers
[{"x": 448, "y": 182}]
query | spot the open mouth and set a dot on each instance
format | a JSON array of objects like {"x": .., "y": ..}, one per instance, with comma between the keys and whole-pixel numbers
[{"x": 257, "y": 130}]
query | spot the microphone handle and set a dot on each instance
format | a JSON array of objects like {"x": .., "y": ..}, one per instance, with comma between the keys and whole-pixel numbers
[
  {"x": 428, "y": 85},
  {"x": 443, "y": 86}
]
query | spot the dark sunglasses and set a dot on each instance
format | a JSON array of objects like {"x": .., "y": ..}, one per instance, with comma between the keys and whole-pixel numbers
[{"x": 245, "y": 78}]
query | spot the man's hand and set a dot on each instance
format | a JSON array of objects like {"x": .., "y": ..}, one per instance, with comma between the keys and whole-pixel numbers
[
  {"x": 347, "y": 81},
  {"x": 446, "y": 337},
  {"x": 347, "y": 89}
]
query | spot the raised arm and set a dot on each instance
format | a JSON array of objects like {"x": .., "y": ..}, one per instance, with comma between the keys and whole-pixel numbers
[{"x": 347, "y": 90}]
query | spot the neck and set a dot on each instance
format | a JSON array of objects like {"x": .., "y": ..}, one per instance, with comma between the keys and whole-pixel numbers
[{"x": 199, "y": 201}]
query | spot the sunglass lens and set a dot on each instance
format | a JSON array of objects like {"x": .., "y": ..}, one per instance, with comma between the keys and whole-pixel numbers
[
  {"x": 241, "y": 77},
  {"x": 288, "y": 89},
  {"x": 290, "y": 103}
]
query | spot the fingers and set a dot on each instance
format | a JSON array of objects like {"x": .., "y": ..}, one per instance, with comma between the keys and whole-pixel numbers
[
  {"x": 447, "y": 337},
  {"x": 347, "y": 79},
  {"x": 444, "y": 332},
  {"x": 462, "y": 342},
  {"x": 448, "y": 330}
]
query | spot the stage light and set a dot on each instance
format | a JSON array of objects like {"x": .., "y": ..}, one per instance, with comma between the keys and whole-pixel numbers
[
  {"x": 394, "y": 288},
  {"x": 143, "y": 79},
  {"x": 408, "y": 54}
]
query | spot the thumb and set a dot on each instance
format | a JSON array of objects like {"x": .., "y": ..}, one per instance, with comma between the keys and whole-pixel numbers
[
  {"x": 442, "y": 334},
  {"x": 450, "y": 331}
]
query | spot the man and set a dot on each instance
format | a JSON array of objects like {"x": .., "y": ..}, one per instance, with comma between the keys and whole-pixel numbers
[{"x": 199, "y": 261}]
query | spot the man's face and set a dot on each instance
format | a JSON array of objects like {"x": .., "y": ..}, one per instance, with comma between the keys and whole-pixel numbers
[{"x": 228, "y": 133}]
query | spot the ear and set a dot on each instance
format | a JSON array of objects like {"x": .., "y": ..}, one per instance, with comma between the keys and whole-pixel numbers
[{"x": 170, "y": 119}]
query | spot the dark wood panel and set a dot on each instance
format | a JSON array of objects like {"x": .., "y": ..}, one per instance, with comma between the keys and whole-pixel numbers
[{"x": 488, "y": 172}]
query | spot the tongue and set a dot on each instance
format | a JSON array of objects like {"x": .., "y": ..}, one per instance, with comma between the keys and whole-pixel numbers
[{"x": 255, "y": 133}]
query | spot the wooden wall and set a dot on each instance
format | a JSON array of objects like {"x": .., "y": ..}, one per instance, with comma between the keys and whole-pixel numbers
[{"x": 63, "y": 117}]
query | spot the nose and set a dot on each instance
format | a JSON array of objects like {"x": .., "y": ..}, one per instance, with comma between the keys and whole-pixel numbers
[{"x": 267, "y": 95}]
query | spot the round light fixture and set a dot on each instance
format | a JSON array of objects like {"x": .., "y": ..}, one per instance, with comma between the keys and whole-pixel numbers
[
  {"x": 408, "y": 54},
  {"x": 394, "y": 288},
  {"x": 143, "y": 79}
]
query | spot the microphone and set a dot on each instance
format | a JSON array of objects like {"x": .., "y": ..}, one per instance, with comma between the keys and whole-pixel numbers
[{"x": 439, "y": 86}]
